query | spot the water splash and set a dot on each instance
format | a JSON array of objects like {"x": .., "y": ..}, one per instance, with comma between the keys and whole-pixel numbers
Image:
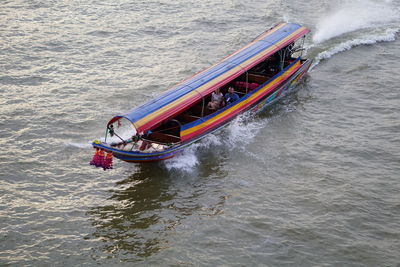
[
  {"x": 354, "y": 15},
  {"x": 387, "y": 36},
  {"x": 239, "y": 133},
  {"x": 242, "y": 131},
  {"x": 188, "y": 159}
]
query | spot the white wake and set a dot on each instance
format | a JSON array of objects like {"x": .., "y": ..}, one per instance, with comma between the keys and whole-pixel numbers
[
  {"x": 388, "y": 36},
  {"x": 368, "y": 22},
  {"x": 349, "y": 16}
]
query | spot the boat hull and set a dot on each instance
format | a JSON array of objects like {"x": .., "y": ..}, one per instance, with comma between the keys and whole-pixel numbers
[
  {"x": 263, "y": 97},
  {"x": 138, "y": 157}
]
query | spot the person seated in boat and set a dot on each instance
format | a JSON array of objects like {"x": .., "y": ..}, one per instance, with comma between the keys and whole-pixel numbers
[
  {"x": 217, "y": 100},
  {"x": 231, "y": 96}
]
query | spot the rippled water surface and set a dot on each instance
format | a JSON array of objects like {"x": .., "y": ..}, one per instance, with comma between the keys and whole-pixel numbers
[{"x": 313, "y": 181}]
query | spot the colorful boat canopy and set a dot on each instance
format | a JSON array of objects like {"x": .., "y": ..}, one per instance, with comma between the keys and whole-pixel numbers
[{"x": 190, "y": 91}]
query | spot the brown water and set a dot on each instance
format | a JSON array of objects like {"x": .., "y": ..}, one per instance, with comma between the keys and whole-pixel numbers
[{"x": 313, "y": 181}]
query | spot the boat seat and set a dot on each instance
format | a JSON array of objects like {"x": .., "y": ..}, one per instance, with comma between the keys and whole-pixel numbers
[
  {"x": 186, "y": 118},
  {"x": 163, "y": 138},
  {"x": 240, "y": 93},
  {"x": 241, "y": 86},
  {"x": 197, "y": 111},
  {"x": 208, "y": 111},
  {"x": 258, "y": 78}
]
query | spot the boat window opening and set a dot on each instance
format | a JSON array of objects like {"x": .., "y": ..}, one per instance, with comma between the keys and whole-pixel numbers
[
  {"x": 200, "y": 109},
  {"x": 268, "y": 68},
  {"x": 161, "y": 138},
  {"x": 187, "y": 118},
  {"x": 196, "y": 111},
  {"x": 165, "y": 134},
  {"x": 283, "y": 58},
  {"x": 247, "y": 82},
  {"x": 203, "y": 106}
]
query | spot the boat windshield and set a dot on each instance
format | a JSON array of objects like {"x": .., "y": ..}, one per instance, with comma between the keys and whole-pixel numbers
[
  {"x": 297, "y": 48},
  {"x": 120, "y": 131}
]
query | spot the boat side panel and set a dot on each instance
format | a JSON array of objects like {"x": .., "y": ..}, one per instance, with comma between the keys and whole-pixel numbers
[
  {"x": 262, "y": 88},
  {"x": 263, "y": 103},
  {"x": 189, "y": 131}
]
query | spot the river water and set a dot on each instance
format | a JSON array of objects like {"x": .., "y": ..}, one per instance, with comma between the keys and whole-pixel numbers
[{"x": 312, "y": 181}]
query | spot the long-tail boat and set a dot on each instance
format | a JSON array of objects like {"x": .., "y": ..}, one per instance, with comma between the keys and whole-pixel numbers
[{"x": 260, "y": 73}]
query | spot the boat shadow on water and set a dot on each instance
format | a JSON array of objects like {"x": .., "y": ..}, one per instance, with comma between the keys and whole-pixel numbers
[{"x": 143, "y": 210}]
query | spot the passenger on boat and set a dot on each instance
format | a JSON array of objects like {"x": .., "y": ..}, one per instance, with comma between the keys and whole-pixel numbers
[
  {"x": 231, "y": 96},
  {"x": 217, "y": 100}
]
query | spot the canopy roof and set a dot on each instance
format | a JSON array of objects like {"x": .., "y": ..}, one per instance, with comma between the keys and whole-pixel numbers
[{"x": 188, "y": 92}]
